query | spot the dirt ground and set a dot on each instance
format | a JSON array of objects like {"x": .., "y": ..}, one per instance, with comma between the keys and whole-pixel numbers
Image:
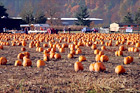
[{"x": 58, "y": 75}]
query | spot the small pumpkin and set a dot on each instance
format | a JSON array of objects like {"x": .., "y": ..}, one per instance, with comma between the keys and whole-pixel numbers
[
  {"x": 23, "y": 49},
  {"x": 97, "y": 57},
  {"x": 91, "y": 67},
  {"x": 127, "y": 60},
  {"x": 18, "y": 63},
  {"x": 3, "y": 61},
  {"x": 27, "y": 62},
  {"x": 82, "y": 58},
  {"x": 57, "y": 56},
  {"x": 20, "y": 56},
  {"x": 27, "y": 54},
  {"x": 78, "y": 66},
  {"x": 40, "y": 63},
  {"x": 120, "y": 69},
  {"x": 70, "y": 55},
  {"x": 96, "y": 51}
]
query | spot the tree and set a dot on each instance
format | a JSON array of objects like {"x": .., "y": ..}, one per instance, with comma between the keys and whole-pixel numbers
[
  {"x": 31, "y": 15},
  {"x": 137, "y": 17},
  {"x": 3, "y": 11},
  {"x": 27, "y": 14},
  {"x": 128, "y": 18},
  {"x": 82, "y": 16},
  {"x": 52, "y": 9},
  {"x": 40, "y": 17}
]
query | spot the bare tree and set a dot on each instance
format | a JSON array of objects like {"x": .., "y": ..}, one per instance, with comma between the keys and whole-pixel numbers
[{"x": 52, "y": 10}]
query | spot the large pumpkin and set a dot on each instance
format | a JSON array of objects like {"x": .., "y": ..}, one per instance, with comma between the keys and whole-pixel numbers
[{"x": 78, "y": 66}]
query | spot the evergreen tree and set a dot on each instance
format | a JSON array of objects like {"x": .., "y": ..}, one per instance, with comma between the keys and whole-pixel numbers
[
  {"x": 137, "y": 17},
  {"x": 3, "y": 11},
  {"x": 82, "y": 16},
  {"x": 128, "y": 18}
]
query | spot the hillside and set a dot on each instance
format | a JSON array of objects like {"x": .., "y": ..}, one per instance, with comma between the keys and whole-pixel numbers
[{"x": 109, "y": 10}]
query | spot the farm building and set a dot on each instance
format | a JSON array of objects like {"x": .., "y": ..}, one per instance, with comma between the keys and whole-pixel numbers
[
  {"x": 71, "y": 21},
  {"x": 9, "y": 23},
  {"x": 123, "y": 27}
]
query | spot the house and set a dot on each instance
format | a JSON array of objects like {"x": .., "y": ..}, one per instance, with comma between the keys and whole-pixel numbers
[{"x": 123, "y": 27}]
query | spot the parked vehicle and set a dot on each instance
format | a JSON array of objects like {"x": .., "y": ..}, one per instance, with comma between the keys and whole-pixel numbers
[
  {"x": 94, "y": 30},
  {"x": 86, "y": 30}
]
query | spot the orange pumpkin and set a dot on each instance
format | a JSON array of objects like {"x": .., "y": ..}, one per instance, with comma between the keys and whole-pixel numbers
[
  {"x": 45, "y": 45},
  {"x": 23, "y": 49},
  {"x": 52, "y": 55},
  {"x": 131, "y": 58},
  {"x": 1, "y": 47},
  {"x": 18, "y": 63},
  {"x": 119, "y": 69},
  {"x": 127, "y": 60},
  {"x": 121, "y": 48},
  {"x": 96, "y": 51},
  {"x": 27, "y": 54},
  {"x": 70, "y": 55},
  {"x": 3, "y": 61},
  {"x": 61, "y": 50},
  {"x": 91, "y": 67},
  {"x": 57, "y": 56},
  {"x": 20, "y": 56},
  {"x": 82, "y": 58},
  {"x": 78, "y": 66},
  {"x": 27, "y": 62},
  {"x": 46, "y": 58},
  {"x": 40, "y": 63},
  {"x": 99, "y": 67},
  {"x": 103, "y": 48},
  {"x": 97, "y": 57},
  {"x": 104, "y": 58}
]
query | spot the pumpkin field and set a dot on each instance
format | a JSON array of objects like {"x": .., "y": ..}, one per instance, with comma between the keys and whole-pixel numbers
[{"x": 70, "y": 63}]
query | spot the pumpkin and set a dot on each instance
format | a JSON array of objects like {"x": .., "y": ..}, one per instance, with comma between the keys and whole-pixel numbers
[
  {"x": 23, "y": 49},
  {"x": 40, "y": 49},
  {"x": 45, "y": 45},
  {"x": 93, "y": 46},
  {"x": 121, "y": 48},
  {"x": 52, "y": 55},
  {"x": 127, "y": 60},
  {"x": 131, "y": 58},
  {"x": 72, "y": 52},
  {"x": 61, "y": 50},
  {"x": 40, "y": 63},
  {"x": 27, "y": 54},
  {"x": 119, "y": 69},
  {"x": 137, "y": 44},
  {"x": 103, "y": 48},
  {"x": 46, "y": 58},
  {"x": 101, "y": 53},
  {"x": 99, "y": 67},
  {"x": 82, "y": 58},
  {"x": 3, "y": 61},
  {"x": 91, "y": 67},
  {"x": 96, "y": 51},
  {"x": 78, "y": 51},
  {"x": 57, "y": 56},
  {"x": 27, "y": 62},
  {"x": 18, "y": 63},
  {"x": 1, "y": 47},
  {"x": 97, "y": 57},
  {"x": 20, "y": 56},
  {"x": 23, "y": 43},
  {"x": 104, "y": 58},
  {"x": 70, "y": 55},
  {"x": 78, "y": 66},
  {"x": 119, "y": 53}
]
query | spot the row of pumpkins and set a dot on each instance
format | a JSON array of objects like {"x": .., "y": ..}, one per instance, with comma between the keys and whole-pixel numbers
[{"x": 80, "y": 40}]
